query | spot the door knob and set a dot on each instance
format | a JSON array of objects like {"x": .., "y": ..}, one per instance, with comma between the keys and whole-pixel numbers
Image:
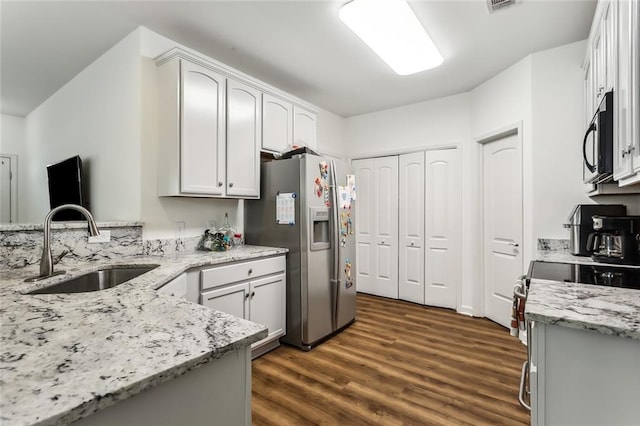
[
  {"x": 219, "y": 183},
  {"x": 514, "y": 244},
  {"x": 412, "y": 243},
  {"x": 382, "y": 242},
  {"x": 250, "y": 271},
  {"x": 230, "y": 184}
]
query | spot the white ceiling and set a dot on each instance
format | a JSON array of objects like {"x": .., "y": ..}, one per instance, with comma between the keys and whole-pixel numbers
[{"x": 298, "y": 46}]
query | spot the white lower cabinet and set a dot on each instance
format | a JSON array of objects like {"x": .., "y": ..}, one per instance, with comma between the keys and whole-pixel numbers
[
  {"x": 253, "y": 290},
  {"x": 580, "y": 377}
]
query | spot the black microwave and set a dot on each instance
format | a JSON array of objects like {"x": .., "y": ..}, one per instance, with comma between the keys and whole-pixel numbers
[{"x": 597, "y": 147}]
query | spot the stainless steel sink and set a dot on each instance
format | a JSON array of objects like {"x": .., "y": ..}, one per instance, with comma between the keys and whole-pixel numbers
[{"x": 97, "y": 280}]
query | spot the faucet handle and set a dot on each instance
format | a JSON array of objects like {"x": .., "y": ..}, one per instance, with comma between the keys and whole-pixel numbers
[{"x": 60, "y": 256}]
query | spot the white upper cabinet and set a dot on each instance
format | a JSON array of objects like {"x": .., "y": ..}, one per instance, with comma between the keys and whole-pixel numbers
[
  {"x": 244, "y": 118},
  {"x": 612, "y": 64},
  {"x": 192, "y": 130},
  {"x": 277, "y": 123},
  {"x": 285, "y": 124},
  {"x": 304, "y": 127},
  {"x": 627, "y": 88},
  {"x": 213, "y": 122}
]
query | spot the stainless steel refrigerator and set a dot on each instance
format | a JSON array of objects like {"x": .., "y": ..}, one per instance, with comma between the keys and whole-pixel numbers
[{"x": 307, "y": 204}]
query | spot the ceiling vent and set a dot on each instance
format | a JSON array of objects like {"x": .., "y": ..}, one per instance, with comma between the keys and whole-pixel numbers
[{"x": 494, "y": 5}]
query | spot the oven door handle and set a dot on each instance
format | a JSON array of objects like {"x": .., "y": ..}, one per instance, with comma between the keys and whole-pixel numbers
[
  {"x": 591, "y": 167},
  {"x": 522, "y": 391}
]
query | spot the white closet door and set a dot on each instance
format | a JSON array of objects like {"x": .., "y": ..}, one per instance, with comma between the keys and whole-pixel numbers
[
  {"x": 364, "y": 225},
  {"x": 442, "y": 228},
  {"x": 386, "y": 226},
  {"x": 411, "y": 227}
]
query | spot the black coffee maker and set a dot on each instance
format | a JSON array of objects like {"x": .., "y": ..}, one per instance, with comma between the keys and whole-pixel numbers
[{"x": 615, "y": 240}]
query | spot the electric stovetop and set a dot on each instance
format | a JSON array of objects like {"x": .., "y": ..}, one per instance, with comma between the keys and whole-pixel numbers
[{"x": 606, "y": 275}]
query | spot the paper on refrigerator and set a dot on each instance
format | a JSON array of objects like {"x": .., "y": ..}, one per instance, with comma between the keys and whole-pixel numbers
[{"x": 286, "y": 208}]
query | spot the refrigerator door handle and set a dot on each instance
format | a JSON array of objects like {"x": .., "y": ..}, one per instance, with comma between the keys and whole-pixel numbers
[{"x": 335, "y": 237}]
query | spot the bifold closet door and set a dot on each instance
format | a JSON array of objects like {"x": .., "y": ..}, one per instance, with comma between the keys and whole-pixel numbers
[
  {"x": 443, "y": 203},
  {"x": 411, "y": 227},
  {"x": 377, "y": 226}
]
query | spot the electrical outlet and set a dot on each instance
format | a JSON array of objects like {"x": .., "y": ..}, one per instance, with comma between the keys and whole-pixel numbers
[{"x": 104, "y": 237}]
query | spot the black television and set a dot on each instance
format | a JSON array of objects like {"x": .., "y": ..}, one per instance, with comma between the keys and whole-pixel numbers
[{"x": 65, "y": 187}]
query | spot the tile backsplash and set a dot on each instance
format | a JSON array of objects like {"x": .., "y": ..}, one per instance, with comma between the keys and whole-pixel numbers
[{"x": 21, "y": 245}]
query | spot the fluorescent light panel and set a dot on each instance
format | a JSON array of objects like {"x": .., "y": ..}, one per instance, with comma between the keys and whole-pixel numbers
[{"x": 393, "y": 32}]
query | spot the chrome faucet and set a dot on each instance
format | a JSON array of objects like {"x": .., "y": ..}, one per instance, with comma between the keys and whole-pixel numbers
[{"x": 46, "y": 261}]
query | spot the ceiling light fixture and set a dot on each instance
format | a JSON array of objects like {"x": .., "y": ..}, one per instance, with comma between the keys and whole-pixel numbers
[{"x": 393, "y": 32}]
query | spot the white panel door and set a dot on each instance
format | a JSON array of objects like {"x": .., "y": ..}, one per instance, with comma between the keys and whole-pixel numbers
[
  {"x": 202, "y": 142},
  {"x": 502, "y": 227},
  {"x": 277, "y": 123},
  {"x": 411, "y": 227},
  {"x": 304, "y": 127},
  {"x": 244, "y": 127},
  {"x": 232, "y": 300},
  {"x": 268, "y": 304},
  {"x": 5, "y": 189},
  {"x": 364, "y": 225},
  {"x": 443, "y": 202},
  {"x": 386, "y": 226}
]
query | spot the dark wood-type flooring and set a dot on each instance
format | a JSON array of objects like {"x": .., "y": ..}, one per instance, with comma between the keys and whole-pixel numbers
[{"x": 399, "y": 363}]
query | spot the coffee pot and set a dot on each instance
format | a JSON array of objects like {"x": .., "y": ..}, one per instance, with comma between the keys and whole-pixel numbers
[{"x": 615, "y": 240}]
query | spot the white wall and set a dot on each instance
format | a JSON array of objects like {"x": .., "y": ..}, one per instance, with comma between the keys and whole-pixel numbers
[
  {"x": 330, "y": 134},
  {"x": 11, "y": 134},
  {"x": 95, "y": 115},
  {"x": 441, "y": 122},
  {"x": 558, "y": 123}
]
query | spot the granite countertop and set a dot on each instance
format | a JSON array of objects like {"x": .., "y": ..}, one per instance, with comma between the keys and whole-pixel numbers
[
  {"x": 65, "y": 356},
  {"x": 607, "y": 310}
]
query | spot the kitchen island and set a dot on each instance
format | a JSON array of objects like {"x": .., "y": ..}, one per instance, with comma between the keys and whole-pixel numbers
[
  {"x": 66, "y": 356},
  {"x": 585, "y": 352}
]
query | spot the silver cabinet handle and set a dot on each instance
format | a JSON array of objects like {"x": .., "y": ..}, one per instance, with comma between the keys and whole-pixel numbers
[
  {"x": 230, "y": 184},
  {"x": 382, "y": 242},
  {"x": 514, "y": 244},
  {"x": 219, "y": 183},
  {"x": 412, "y": 243},
  {"x": 250, "y": 271},
  {"x": 246, "y": 296}
]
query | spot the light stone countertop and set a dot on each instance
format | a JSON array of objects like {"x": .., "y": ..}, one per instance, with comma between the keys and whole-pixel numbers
[
  {"x": 607, "y": 310},
  {"x": 65, "y": 356}
]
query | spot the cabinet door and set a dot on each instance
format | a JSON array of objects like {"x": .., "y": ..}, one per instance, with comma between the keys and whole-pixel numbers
[
  {"x": 608, "y": 25},
  {"x": 244, "y": 128},
  {"x": 598, "y": 67},
  {"x": 202, "y": 134},
  {"x": 304, "y": 127},
  {"x": 588, "y": 94},
  {"x": 177, "y": 287},
  {"x": 268, "y": 304},
  {"x": 411, "y": 226},
  {"x": 277, "y": 123},
  {"x": 233, "y": 300},
  {"x": 635, "y": 88},
  {"x": 443, "y": 201},
  {"x": 623, "y": 111}
]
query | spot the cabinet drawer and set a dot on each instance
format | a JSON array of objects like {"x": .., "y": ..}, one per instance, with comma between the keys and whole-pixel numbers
[{"x": 241, "y": 271}]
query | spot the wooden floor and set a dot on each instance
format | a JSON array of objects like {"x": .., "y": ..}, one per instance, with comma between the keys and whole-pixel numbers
[{"x": 399, "y": 363}]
